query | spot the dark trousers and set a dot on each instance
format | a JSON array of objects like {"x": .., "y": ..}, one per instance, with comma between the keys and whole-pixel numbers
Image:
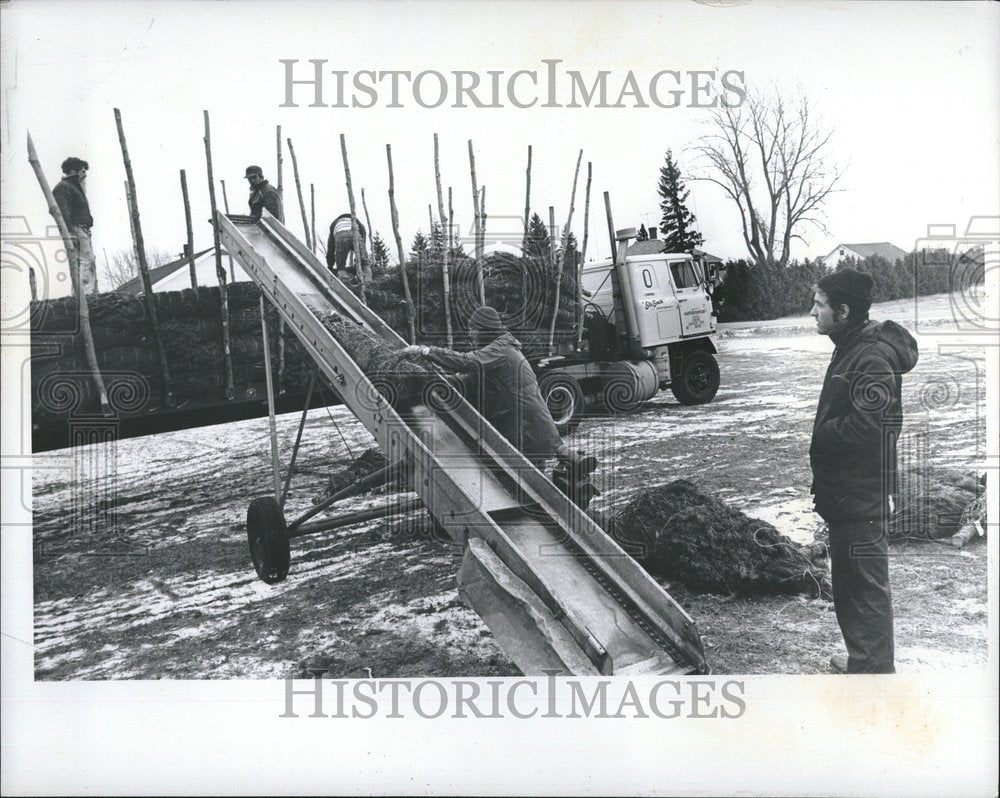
[{"x": 859, "y": 565}]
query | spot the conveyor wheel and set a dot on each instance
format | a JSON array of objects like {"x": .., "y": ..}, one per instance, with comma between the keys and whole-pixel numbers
[{"x": 268, "y": 539}]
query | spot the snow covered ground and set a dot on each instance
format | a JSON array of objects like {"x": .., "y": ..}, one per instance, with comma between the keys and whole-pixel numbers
[{"x": 166, "y": 590}]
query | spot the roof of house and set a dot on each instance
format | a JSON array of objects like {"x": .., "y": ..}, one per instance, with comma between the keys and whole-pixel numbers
[
  {"x": 706, "y": 256},
  {"x": 652, "y": 246},
  {"x": 881, "y": 248},
  {"x": 134, "y": 286}
]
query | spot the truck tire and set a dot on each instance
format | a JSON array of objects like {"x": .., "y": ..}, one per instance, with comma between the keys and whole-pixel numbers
[
  {"x": 698, "y": 380},
  {"x": 564, "y": 399}
]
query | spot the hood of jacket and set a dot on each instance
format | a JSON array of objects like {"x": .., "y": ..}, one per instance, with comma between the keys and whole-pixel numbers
[{"x": 897, "y": 338}]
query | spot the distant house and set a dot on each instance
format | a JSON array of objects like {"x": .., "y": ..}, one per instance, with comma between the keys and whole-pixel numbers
[
  {"x": 861, "y": 251},
  {"x": 176, "y": 276}
]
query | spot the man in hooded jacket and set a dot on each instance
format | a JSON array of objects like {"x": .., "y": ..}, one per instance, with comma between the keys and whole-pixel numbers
[
  {"x": 511, "y": 398},
  {"x": 853, "y": 459}
]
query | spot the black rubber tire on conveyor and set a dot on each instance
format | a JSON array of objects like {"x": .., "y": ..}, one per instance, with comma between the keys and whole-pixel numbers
[{"x": 267, "y": 537}]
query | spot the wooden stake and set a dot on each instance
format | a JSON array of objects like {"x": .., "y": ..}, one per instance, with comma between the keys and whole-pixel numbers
[
  {"x": 411, "y": 313},
  {"x": 451, "y": 222},
  {"x": 312, "y": 214},
  {"x": 524, "y": 243},
  {"x": 561, "y": 256},
  {"x": 219, "y": 271},
  {"x": 281, "y": 187},
  {"x": 583, "y": 261},
  {"x": 475, "y": 208},
  {"x": 131, "y": 224},
  {"x": 189, "y": 246},
  {"x": 430, "y": 226},
  {"x": 140, "y": 253},
  {"x": 73, "y": 258},
  {"x": 368, "y": 219},
  {"x": 298, "y": 191},
  {"x": 611, "y": 228},
  {"x": 482, "y": 214},
  {"x": 355, "y": 238},
  {"x": 225, "y": 204},
  {"x": 552, "y": 239},
  {"x": 446, "y": 278}
]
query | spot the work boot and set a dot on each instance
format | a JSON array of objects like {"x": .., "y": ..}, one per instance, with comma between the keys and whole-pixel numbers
[{"x": 838, "y": 663}]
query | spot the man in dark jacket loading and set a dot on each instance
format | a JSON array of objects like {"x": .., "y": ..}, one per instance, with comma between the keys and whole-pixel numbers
[
  {"x": 70, "y": 195},
  {"x": 263, "y": 195},
  {"x": 512, "y": 401},
  {"x": 853, "y": 459}
]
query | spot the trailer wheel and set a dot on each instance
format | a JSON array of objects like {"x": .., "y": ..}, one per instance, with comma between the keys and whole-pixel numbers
[
  {"x": 698, "y": 380},
  {"x": 268, "y": 540},
  {"x": 564, "y": 399}
]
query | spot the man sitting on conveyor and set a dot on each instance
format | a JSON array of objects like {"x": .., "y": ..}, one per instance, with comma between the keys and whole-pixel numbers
[{"x": 510, "y": 397}]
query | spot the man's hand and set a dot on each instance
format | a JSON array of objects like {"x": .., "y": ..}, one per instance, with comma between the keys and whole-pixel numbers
[{"x": 411, "y": 351}]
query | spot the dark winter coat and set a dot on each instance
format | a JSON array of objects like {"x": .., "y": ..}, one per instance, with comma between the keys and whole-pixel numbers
[
  {"x": 264, "y": 195},
  {"x": 73, "y": 203},
  {"x": 512, "y": 402},
  {"x": 860, "y": 414}
]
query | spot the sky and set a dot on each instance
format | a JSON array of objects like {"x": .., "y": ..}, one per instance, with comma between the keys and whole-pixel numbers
[{"x": 909, "y": 89}]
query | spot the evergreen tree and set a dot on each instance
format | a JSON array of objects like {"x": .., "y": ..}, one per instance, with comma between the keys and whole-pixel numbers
[
  {"x": 678, "y": 223},
  {"x": 538, "y": 238},
  {"x": 572, "y": 259},
  {"x": 420, "y": 247},
  {"x": 643, "y": 234},
  {"x": 437, "y": 239},
  {"x": 380, "y": 254}
]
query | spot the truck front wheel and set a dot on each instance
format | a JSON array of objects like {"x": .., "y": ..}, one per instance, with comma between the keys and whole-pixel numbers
[
  {"x": 698, "y": 379},
  {"x": 564, "y": 399}
]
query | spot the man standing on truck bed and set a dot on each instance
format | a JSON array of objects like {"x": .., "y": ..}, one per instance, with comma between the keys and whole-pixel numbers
[
  {"x": 853, "y": 459},
  {"x": 70, "y": 195},
  {"x": 512, "y": 402},
  {"x": 341, "y": 244},
  {"x": 263, "y": 195}
]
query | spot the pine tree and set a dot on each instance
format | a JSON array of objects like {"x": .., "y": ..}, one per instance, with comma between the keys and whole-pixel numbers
[
  {"x": 380, "y": 254},
  {"x": 420, "y": 247},
  {"x": 678, "y": 223},
  {"x": 437, "y": 239},
  {"x": 538, "y": 238},
  {"x": 572, "y": 259},
  {"x": 643, "y": 234}
]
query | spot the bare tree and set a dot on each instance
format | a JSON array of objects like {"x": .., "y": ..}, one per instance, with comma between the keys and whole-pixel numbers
[
  {"x": 773, "y": 159},
  {"x": 123, "y": 266}
]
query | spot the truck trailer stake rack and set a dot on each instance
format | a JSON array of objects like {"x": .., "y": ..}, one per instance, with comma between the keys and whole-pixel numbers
[{"x": 555, "y": 590}]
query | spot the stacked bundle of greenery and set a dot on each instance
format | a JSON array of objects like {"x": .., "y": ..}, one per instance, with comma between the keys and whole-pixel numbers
[
  {"x": 190, "y": 323},
  {"x": 403, "y": 381},
  {"x": 679, "y": 532},
  {"x": 934, "y": 502},
  {"x": 522, "y": 289}
]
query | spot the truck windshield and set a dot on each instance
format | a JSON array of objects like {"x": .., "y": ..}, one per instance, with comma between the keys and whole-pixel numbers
[{"x": 684, "y": 274}]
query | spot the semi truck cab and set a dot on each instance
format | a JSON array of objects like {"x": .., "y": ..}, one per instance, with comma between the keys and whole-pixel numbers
[{"x": 648, "y": 325}]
